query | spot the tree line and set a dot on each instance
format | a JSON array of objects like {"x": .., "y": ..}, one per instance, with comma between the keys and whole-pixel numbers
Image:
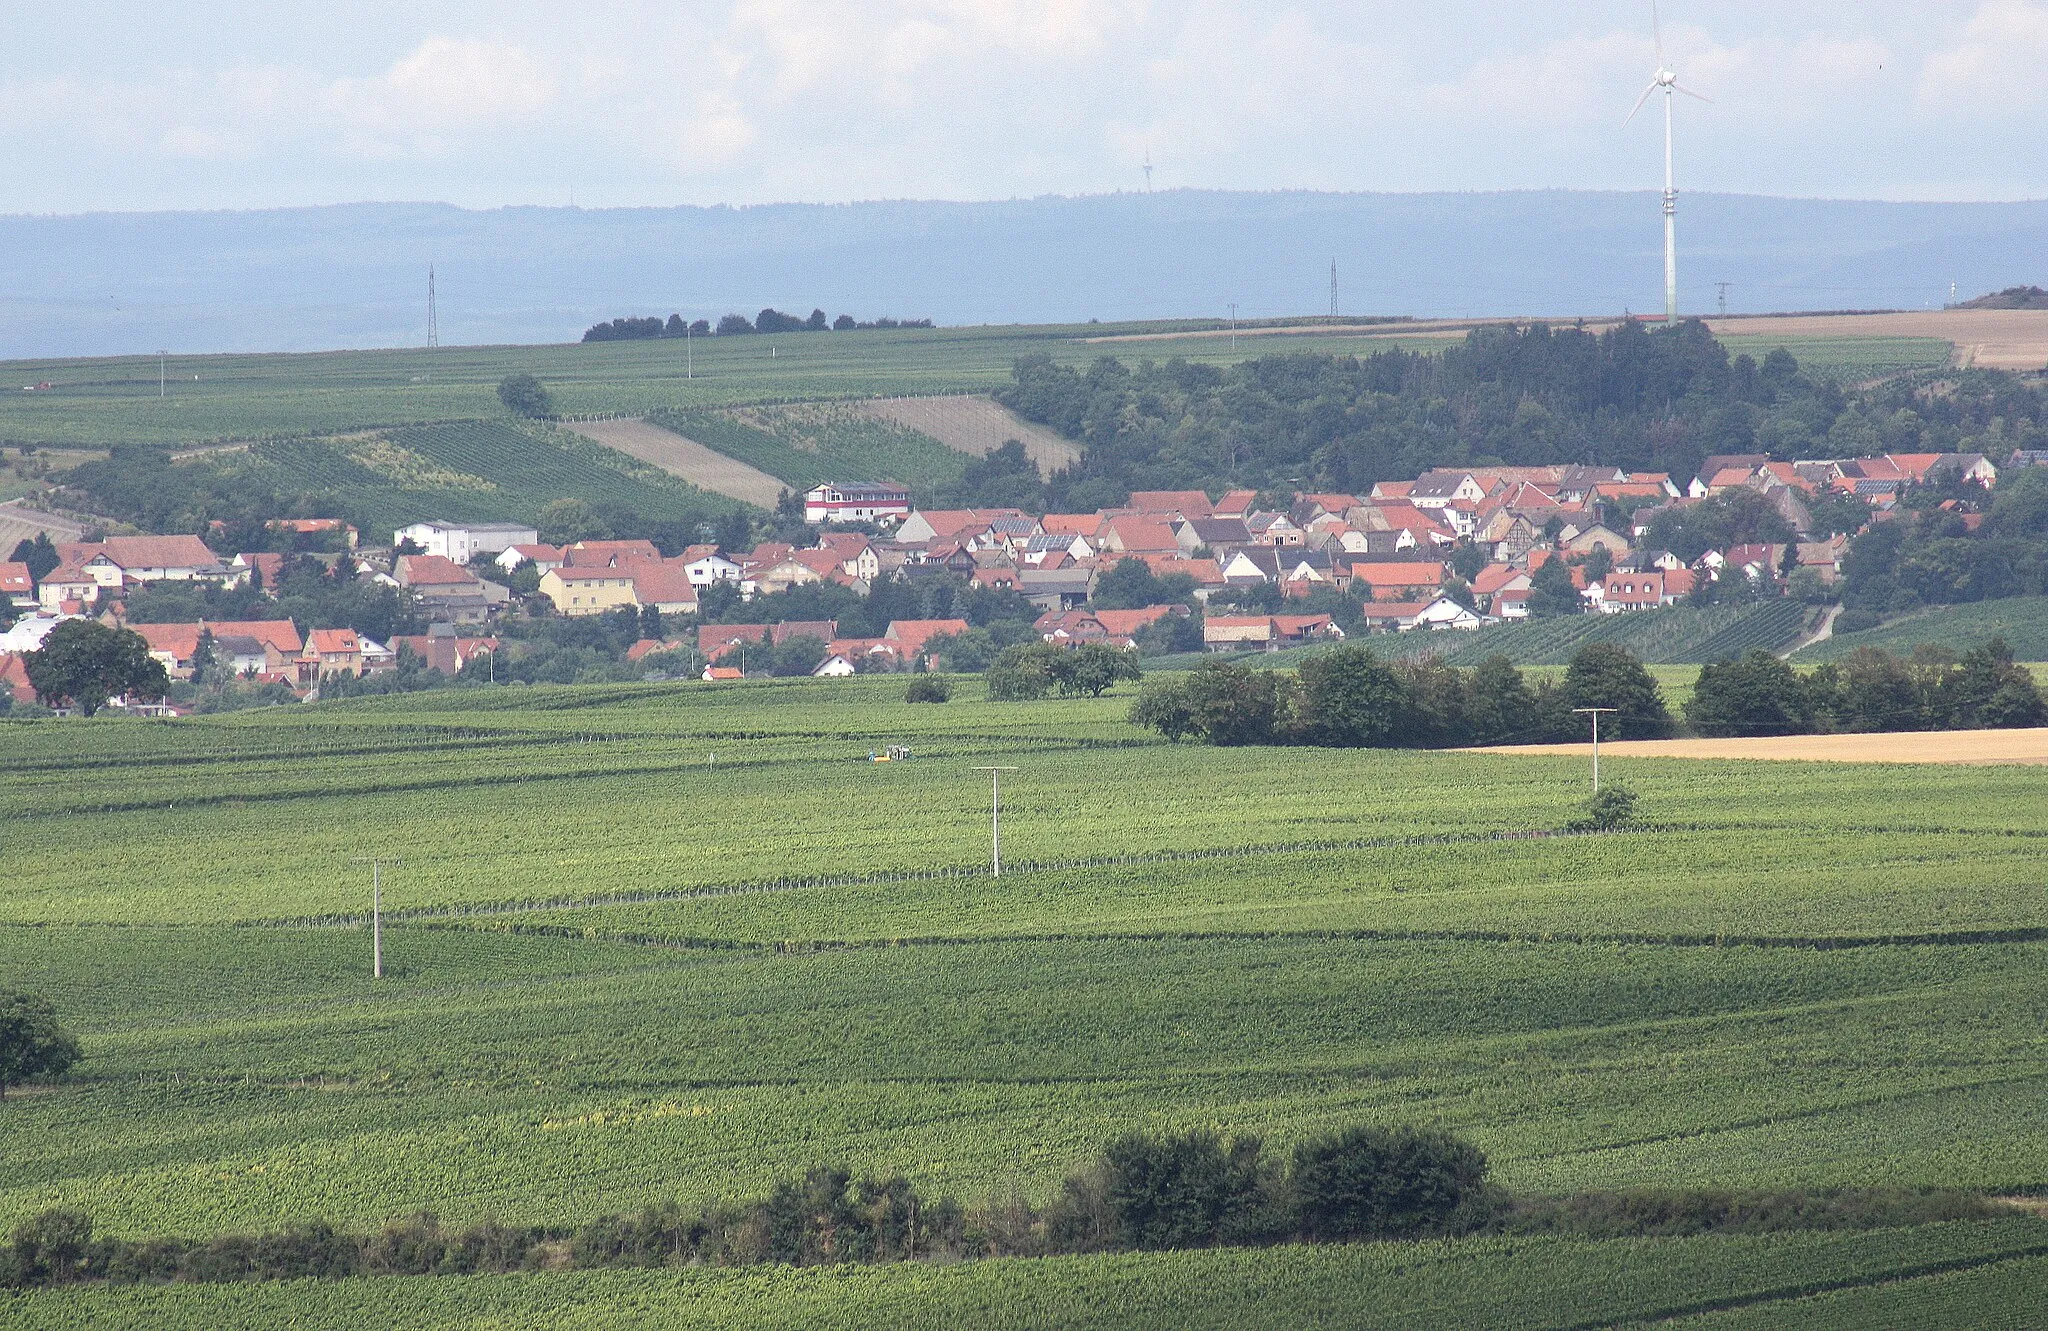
[
  {"x": 1346, "y": 697},
  {"x": 1644, "y": 400},
  {"x": 769, "y": 320},
  {"x": 1145, "y": 1192}
]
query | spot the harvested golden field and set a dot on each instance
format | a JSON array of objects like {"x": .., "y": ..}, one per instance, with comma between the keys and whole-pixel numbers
[
  {"x": 1987, "y": 339},
  {"x": 1967, "y": 747}
]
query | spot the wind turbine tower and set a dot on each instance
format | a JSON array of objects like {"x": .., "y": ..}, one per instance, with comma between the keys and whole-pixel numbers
[
  {"x": 1666, "y": 81},
  {"x": 1148, "y": 170}
]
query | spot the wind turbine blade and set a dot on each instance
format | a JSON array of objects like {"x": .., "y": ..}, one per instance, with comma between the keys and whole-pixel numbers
[
  {"x": 1657, "y": 30},
  {"x": 1690, "y": 93},
  {"x": 1639, "y": 104}
]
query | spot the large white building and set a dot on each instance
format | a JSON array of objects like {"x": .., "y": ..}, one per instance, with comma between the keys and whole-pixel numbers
[
  {"x": 859, "y": 502},
  {"x": 462, "y": 542}
]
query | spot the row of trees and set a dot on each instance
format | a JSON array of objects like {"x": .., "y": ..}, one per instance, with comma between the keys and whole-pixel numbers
[
  {"x": 1145, "y": 1192},
  {"x": 1347, "y": 697},
  {"x": 1868, "y": 690},
  {"x": 770, "y": 320}
]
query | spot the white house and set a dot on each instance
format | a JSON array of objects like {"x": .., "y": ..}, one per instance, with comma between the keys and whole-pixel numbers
[
  {"x": 707, "y": 569},
  {"x": 463, "y": 542},
  {"x": 857, "y": 502}
]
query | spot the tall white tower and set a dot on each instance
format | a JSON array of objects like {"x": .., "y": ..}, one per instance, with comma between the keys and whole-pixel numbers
[{"x": 1666, "y": 81}]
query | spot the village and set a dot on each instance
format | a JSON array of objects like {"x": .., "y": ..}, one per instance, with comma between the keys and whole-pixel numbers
[{"x": 1451, "y": 550}]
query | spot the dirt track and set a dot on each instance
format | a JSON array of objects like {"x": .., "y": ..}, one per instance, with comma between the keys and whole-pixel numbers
[
  {"x": 976, "y": 425},
  {"x": 1965, "y": 747},
  {"x": 705, "y": 468},
  {"x": 1988, "y": 339}
]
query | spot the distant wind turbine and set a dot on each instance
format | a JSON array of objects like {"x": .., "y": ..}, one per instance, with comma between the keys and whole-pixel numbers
[{"x": 1665, "y": 79}]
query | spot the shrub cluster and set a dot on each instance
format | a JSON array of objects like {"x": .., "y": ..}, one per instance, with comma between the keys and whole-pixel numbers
[
  {"x": 1348, "y": 698},
  {"x": 1032, "y": 669}
]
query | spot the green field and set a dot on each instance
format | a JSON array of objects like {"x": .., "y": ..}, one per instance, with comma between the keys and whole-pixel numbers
[
  {"x": 2021, "y": 620},
  {"x": 653, "y": 941},
  {"x": 1847, "y": 359},
  {"x": 240, "y": 397},
  {"x": 808, "y": 444}
]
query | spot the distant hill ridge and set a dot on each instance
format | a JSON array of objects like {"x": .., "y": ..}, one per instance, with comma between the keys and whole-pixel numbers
[
  {"x": 355, "y": 275},
  {"x": 2012, "y": 298}
]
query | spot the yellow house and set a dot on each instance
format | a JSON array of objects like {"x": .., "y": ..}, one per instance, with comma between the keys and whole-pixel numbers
[{"x": 588, "y": 591}]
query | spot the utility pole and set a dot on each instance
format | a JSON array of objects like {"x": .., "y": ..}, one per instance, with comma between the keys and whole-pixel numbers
[
  {"x": 689, "y": 351},
  {"x": 995, "y": 818},
  {"x": 1233, "y": 328},
  {"x": 1333, "y": 288},
  {"x": 1596, "y": 712},
  {"x": 1724, "y": 297},
  {"x": 160, "y": 373},
  {"x": 376, "y": 864},
  {"x": 433, "y": 313}
]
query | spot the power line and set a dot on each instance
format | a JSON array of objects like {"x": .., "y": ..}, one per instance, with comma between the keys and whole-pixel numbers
[
  {"x": 433, "y": 314},
  {"x": 1595, "y": 713}
]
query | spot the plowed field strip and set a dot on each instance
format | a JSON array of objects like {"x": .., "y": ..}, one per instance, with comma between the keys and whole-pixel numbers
[{"x": 705, "y": 468}]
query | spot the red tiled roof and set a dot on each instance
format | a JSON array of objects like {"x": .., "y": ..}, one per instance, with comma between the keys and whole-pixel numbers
[
  {"x": 432, "y": 571},
  {"x": 334, "y": 642},
  {"x": 910, "y": 635},
  {"x": 1419, "y": 574},
  {"x": 1187, "y": 503},
  {"x": 128, "y": 552},
  {"x": 713, "y": 639},
  {"x": 15, "y": 579}
]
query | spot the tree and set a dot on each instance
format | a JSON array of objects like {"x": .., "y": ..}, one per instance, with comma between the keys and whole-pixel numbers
[
  {"x": 1234, "y": 704},
  {"x": 566, "y": 521},
  {"x": 797, "y": 656},
  {"x": 1165, "y": 706},
  {"x": 32, "y": 1044},
  {"x": 523, "y": 395},
  {"x": 1552, "y": 593},
  {"x": 1190, "y": 1190},
  {"x": 39, "y": 554},
  {"x": 86, "y": 664},
  {"x": 1094, "y": 668},
  {"x": 732, "y": 325},
  {"x": 1603, "y": 675},
  {"x": 1024, "y": 672},
  {"x": 1350, "y": 699},
  {"x": 1757, "y": 695},
  {"x": 1498, "y": 705},
  {"x": 816, "y": 323},
  {"x": 1384, "y": 1183},
  {"x": 843, "y": 323}
]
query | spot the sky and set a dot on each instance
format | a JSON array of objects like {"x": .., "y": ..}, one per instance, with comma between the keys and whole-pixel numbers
[{"x": 206, "y": 104}]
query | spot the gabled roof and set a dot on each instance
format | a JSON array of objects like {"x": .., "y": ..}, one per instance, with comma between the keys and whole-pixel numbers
[
  {"x": 591, "y": 554},
  {"x": 1140, "y": 535},
  {"x": 334, "y": 641},
  {"x": 131, "y": 552},
  {"x": 1418, "y": 574},
  {"x": 1495, "y": 576},
  {"x": 910, "y": 635},
  {"x": 1125, "y": 623},
  {"x": 1235, "y": 504},
  {"x": 1220, "y": 531},
  {"x": 1187, "y": 503},
  {"x": 15, "y": 579},
  {"x": 432, "y": 571},
  {"x": 1070, "y": 524},
  {"x": 661, "y": 583},
  {"x": 824, "y": 630},
  {"x": 712, "y": 639}
]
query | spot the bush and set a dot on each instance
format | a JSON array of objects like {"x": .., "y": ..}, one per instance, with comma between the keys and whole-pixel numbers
[
  {"x": 523, "y": 395},
  {"x": 1611, "y": 810},
  {"x": 929, "y": 688},
  {"x": 1386, "y": 1183},
  {"x": 1856, "y": 621},
  {"x": 1023, "y": 673}
]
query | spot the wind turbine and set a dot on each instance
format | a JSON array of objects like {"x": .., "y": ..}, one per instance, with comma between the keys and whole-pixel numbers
[{"x": 1666, "y": 80}]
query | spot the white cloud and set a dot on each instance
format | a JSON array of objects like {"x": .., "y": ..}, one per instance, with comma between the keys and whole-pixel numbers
[
  {"x": 444, "y": 85},
  {"x": 1996, "y": 68}
]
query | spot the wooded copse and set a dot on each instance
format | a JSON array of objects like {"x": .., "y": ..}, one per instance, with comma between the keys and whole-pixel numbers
[
  {"x": 1630, "y": 397},
  {"x": 769, "y": 320}
]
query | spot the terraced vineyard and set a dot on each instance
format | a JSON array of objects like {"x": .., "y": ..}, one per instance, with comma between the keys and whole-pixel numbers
[
  {"x": 806, "y": 445},
  {"x": 655, "y": 941},
  {"x": 476, "y": 471},
  {"x": 2021, "y": 620}
]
